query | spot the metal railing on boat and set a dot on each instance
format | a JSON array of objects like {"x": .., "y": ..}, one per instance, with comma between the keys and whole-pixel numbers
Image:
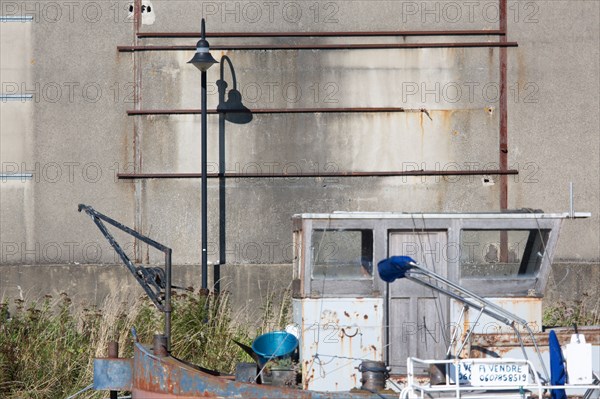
[{"x": 453, "y": 366}]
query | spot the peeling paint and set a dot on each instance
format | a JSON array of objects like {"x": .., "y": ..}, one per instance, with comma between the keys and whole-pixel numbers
[{"x": 341, "y": 344}]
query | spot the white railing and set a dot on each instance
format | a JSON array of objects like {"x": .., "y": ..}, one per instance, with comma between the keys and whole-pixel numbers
[
  {"x": 414, "y": 390},
  {"x": 454, "y": 386}
]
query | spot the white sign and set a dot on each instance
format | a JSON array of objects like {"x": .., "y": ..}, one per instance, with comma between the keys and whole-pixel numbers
[
  {"x": 464, "y": 373},
  {"x": 502, "y": 374}
]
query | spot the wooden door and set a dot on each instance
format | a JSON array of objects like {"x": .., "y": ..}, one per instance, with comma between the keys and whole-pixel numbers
[{"x": 417, "y": 316}]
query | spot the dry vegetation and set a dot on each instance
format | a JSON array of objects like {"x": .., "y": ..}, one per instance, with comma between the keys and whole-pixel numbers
[
  {"x": 47, "y": 348},
  {"x": 584, "y": 311}
]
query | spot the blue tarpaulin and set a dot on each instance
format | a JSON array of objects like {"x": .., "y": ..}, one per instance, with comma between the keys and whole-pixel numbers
[
  {"x": 558, "y": 375},
  {"x": 394, "y": 267}
]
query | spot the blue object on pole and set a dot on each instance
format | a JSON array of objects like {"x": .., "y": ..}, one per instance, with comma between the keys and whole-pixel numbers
[
  {"x": 394, "y": 267},
  {"x": 558, "y": 375}
]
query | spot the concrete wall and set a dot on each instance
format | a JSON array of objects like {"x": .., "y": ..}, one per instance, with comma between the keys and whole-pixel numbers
[
  {"x": 572, "y": 283},
  {"x": 251, "y": 287},
  {"x": 74, "y": 136}
]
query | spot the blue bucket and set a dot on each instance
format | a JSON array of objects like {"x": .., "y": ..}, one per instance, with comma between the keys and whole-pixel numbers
[{"x": 273, "y": 345}]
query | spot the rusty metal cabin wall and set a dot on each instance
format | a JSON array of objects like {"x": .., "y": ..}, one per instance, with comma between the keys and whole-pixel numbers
[
  {"x": 336, "y": 334},
  {"x": 553, "y": 123}
]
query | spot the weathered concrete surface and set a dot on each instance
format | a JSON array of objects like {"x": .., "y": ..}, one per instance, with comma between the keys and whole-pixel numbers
[
  {"x": 251, "y": 288},
  {"x": 574, "y": 282},
  {"x": 16, "y": 133}
]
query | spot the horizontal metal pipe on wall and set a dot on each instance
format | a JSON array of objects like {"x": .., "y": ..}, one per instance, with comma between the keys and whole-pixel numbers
[
  {"x": 276, "y": 111},
  {"x": 372, "y": 46},
  {"x": 129, "y": 176},
  {"x": 324, "y": 34}
]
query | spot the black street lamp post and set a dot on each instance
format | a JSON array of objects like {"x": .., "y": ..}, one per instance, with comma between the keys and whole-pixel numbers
[{"x": 204, "y": 60}]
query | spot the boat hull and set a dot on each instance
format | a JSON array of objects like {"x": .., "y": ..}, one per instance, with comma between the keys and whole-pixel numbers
[{"x": 149, "y": 376}]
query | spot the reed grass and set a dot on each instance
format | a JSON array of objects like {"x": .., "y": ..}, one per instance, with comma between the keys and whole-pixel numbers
[{"x": 47, "y": 347}]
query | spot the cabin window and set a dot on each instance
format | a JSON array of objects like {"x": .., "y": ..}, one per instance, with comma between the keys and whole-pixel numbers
[
  {"x": 501, "y": 253},
  {"x": 342, "y": 254}
]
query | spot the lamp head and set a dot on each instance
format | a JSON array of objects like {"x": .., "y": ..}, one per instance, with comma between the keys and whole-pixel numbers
[{"x": 202, "y": 59}]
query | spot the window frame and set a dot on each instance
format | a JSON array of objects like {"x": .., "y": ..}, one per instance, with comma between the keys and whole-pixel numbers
[{"x": 534, "y": 243}]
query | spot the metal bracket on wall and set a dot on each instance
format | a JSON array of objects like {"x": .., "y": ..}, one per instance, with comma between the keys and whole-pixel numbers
[
  {"x": 16, "y": 18},
  {"x": 15, "y": 176},
  {"x": 16, "y": 97}
]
